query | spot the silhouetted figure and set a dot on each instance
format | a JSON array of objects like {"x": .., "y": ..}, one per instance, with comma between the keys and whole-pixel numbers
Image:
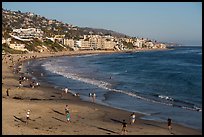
[
  {"x": 27, "y": 116},
  {"x": 169, "y": 124},
  {"x": 124, "y": 126},
  {"x": 7, "y": 92}
]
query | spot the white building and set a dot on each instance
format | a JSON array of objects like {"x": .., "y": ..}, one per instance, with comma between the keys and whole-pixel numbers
[
  {"x": 138, "y": 44},
  {"x": 28, "y": 33},
  {"x": 3, "y": 40},
  {"x": 77, "y": 43},
  {"x": 18, "y": 46},
  {"x": 68, "y": 42},
  {"x": 7, "y": 41}
]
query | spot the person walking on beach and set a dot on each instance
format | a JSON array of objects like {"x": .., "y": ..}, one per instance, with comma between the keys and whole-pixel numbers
[
  {"x": 67, "y": 113},
  {"x": 27, "y": 116},
  {"x": 32, "y": 84},
  {"x": 132, "y": 118},
  {"x": 93, "y": 96},
  {"x": 66, "y": 109},
  {"x": 90, "y": 94},
  {"x": 7, "y": 92},
  {"x": 124, "y": 126},
  {"x": 169, "y": 124},
  {"x": 65, "y": 92},
  {"x": 68, "y": 116},
  {"x": 20, "y": 83}
]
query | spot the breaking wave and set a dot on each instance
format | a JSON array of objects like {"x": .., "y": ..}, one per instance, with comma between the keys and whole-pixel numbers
[{"x": 161, "y": 99}]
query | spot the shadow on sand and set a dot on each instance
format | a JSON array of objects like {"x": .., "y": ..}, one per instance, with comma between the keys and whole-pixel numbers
[
  {"x": 115, "y": 120},
  {"x": 59, "y": 119},
  {"x": 108, "y": 130},
  {"x": 19, "y": 119},
  {"x": 58, "y": 112}
]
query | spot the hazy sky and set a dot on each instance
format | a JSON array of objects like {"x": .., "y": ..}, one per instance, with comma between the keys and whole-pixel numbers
[{"x": 179, "y": 22}]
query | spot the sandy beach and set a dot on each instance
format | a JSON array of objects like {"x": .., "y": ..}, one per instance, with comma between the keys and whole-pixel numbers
[{"x": 47, "y": 116}]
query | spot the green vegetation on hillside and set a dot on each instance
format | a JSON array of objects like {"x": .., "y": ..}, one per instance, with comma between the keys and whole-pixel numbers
[
  {"x": 129, "y": 45},
  {"x": 52, "y": 46}
]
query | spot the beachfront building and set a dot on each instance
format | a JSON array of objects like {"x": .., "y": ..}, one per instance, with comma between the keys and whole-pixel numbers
[
  {"x": 68, "y": 42},
  {"x": 17, "y": 46},
  {"x": 149, "y": 45},
  {"x": 85, "y": 45},
  {"x": 137, "y": 44},
  {"x": 59, "y": 38},
  {"x": 94, "y": 41},
  {"x": 77, "y": 44},
  {"x": 3, "y": 40},
  {"x": 109, "y": 45},
  {"x": 7, "y": 41},
  {"x": 52, "y": 39},
  {"x": 160, "y": 45},
  {"x": 99, "y": 42}
]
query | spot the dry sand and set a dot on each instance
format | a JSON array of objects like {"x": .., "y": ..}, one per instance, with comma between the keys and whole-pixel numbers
[{"x": 47, "y": 111}]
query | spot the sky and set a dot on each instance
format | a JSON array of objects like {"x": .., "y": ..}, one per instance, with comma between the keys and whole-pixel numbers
[{"x": 178, "y": 22}]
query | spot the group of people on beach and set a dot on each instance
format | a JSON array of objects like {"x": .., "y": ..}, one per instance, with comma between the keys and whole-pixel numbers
[
  {"x": 93, "y": 96},
  {"x": 32, "y": 84},
  {"x": 132, "y": 121},
  {"x": 15, "y": 66},
  {"x": 124, "y": 124},
  {"x": 67, "y": 113},
  {"x": 67, "y": 110}
]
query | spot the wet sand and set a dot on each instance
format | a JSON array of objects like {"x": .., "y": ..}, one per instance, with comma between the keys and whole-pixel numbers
[{"x": 47, "y": 110}]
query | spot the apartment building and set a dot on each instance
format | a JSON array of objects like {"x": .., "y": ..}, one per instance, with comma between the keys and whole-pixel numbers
[
  {"x": 17, "y": 46},
  {"x": 28, "y": 33},
  {"x": 59, "y": 38},
  {"x": 3, "y": 40},
  {"x": 68, "y": 42},
  {"x": 109, "y": 45}
]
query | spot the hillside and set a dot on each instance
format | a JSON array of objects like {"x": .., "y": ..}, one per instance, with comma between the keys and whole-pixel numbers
[
  {"x": 29, "y": 32},
  {"x": 17, "y": 19}
]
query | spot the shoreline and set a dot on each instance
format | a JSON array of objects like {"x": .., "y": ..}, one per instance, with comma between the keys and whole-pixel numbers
[{"x": 89, "y": 117}]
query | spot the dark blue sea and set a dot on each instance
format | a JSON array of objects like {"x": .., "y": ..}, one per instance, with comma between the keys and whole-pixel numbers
[{"x": 158, "y": 84}]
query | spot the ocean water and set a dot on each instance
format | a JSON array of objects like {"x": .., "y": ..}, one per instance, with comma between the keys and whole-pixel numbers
[{"x": 158, "y": 84}]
